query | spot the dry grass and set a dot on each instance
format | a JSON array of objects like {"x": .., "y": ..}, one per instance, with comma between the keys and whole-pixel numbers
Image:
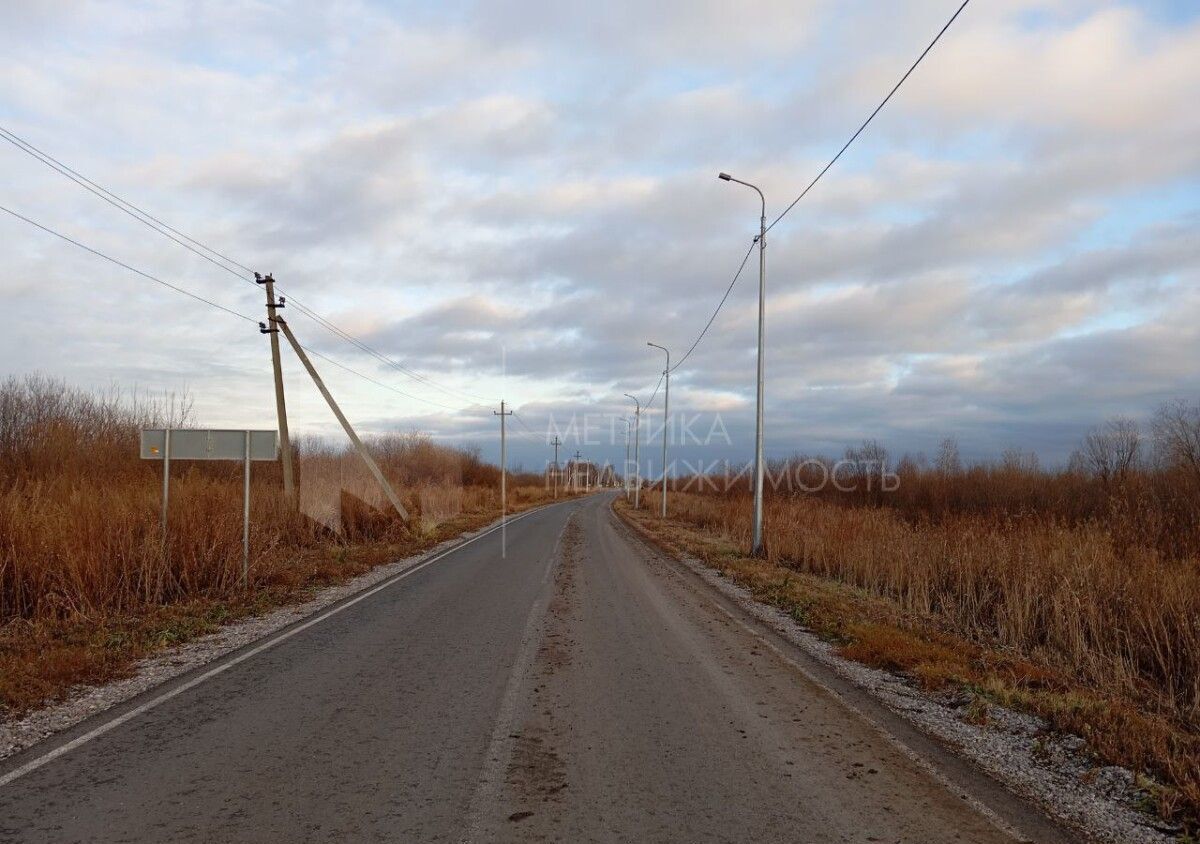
[
  {"x": 86, "y": 584},
  {"x": 1070, "y": 621}
]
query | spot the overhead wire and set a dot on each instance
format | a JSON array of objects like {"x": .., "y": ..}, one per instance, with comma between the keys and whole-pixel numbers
[
  {"x": 720, "y": 305},
  {"x": 227, "y": 264},
  {"x": 126, "y": 207},
  {"x": 126, "y": 266},
  {"x": 522, "y": 423},
  {"x": 220, "y": 260},
  {"x": 380, "y": 383},
  {"x": 655, "y": 393},
  {"x": 150, "y": 277},
  {"x": 819, "y": 175},
  {"x": 333, "y": 328},
  {"x": 878, "y": 109}
]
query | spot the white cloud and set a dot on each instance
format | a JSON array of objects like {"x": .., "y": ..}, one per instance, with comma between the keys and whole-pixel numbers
[{"x": 1005, "y": 253}]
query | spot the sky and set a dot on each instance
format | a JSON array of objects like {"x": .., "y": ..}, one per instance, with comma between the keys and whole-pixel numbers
[{"x": 510, "y": 199}]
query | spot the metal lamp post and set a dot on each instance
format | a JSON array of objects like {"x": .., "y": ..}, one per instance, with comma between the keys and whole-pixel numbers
[
  {"x": 625, "y": 468},
  {"x": 666, "y": 419},
  {"x": 756, "y": 542},
  {"x": 637, "y": 460}
]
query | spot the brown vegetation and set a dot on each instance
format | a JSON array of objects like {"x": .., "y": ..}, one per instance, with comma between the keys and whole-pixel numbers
[
  {"x": 1071, "y": 593},
  {"x": 86, "y": 583}
]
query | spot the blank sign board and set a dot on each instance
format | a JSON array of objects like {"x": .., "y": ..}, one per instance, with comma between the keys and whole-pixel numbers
[{"x": 194, "y": 444}]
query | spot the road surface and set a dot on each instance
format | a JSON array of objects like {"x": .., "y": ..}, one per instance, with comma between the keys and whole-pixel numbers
[{"x": 576, "y": 688}]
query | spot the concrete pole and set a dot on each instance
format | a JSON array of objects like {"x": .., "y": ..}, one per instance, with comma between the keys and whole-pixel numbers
[
  {"x": 503, "y": 460},
  {"x": 637, "y": 457},
  {"x": 372, "y": 466},
  {"x": 625, "y": 472},
  {"x": 756, "y": 537},
  {"x": 285, "y": 442},
  {"x": 637, "y": 460},
  {"x": 666, "y": 422},
  {"x": 557, "y": 442}
]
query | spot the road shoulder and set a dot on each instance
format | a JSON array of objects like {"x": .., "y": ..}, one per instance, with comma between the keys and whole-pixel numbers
[
  {"x": 85, "y": 704},
  {"x": 996, "y": 764}
]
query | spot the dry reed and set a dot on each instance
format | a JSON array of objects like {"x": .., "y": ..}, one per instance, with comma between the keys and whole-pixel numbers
[
  {"x": 80, "y": 531},
  {"x": 1075, "y": 620}
]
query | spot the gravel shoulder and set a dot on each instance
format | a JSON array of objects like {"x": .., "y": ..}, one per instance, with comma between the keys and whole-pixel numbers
[
  {"x": 18, "y": 734},
  {"x": 1051, "y": 771}
]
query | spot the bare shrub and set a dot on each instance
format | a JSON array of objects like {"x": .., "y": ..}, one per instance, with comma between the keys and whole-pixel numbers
[
  {"x": 1177, "y": 436},
  {"x": 1111, "y": 450}
]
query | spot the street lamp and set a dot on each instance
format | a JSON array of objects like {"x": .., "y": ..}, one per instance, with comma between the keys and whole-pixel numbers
[
  {"x": 637, "y": 463},
  {"x": 756, "y": 540},
  {"x": 666, "y": 419}
]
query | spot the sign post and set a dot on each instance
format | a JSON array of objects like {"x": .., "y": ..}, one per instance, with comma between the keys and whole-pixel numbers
[
  {"x": 166, "y": 492},
  {"x": 166, "y": 444},
  {"x": 246, "y": 513}
]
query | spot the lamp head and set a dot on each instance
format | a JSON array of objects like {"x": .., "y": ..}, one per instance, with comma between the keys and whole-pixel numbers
[{"x": 725, "y": 177}]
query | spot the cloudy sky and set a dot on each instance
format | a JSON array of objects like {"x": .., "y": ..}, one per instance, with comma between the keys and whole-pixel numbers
[{"x": 511, "y": 198}]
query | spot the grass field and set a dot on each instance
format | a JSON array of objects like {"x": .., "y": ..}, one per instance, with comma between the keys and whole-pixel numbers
[
  {"x": 1053, "y": 592},
  {"x": 87, "y": 585}
]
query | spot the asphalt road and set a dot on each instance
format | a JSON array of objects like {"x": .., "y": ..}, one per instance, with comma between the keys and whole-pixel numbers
[{"x": 577, "y": 687}]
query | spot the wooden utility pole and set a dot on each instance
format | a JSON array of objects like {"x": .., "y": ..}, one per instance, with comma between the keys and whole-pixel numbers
[
  {"x": 341, "y": 417},
  {"x": 285, "y": 442}
]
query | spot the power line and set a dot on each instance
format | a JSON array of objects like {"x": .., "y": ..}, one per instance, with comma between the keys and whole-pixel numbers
[
  {"x": 221, "y": 260},
  {"x": 720, "y": 305},
  {"x": 333, "y": 328},
  {"x": 532, "y": 433},
  {"x": 125, "y": 206},
  {"x": 811, "y": 184},
  {"x": 380, "y": 383},
  {"x": 209, "y": 302},
  {"x": 867, "y": 122},
  {"x": 655, "y": 393},
  {"x": 122, "y": 264}
]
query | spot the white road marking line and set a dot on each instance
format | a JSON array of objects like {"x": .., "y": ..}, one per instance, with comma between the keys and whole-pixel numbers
[{"x": 96, "y": 732}]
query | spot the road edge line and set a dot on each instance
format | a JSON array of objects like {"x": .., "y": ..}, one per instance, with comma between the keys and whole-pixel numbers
[{"x": 238, "y": 656}]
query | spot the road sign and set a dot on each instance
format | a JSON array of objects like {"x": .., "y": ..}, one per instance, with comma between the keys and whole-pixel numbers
[
  {"x": 197, "y": 444},
  {"x": 200, "y": 444}
]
